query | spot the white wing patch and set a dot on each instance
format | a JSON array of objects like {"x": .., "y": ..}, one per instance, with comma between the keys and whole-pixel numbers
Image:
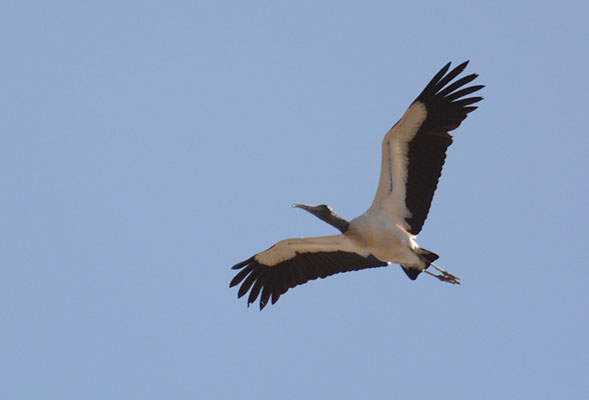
[
  {"x": 390, "y": 195},
  {"x": 287, "y": 249}
]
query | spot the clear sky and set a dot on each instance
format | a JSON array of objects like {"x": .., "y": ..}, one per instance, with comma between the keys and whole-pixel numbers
[{"x": 147, "y": 146}]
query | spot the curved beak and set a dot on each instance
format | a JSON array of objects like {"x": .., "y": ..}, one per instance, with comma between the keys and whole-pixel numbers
[{"x": 305, "y": 207}]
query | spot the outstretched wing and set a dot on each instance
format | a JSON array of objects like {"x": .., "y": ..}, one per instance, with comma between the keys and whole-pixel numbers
[
  {"x": 292, "y": 262},
  {"x": 414, "y": 150}
]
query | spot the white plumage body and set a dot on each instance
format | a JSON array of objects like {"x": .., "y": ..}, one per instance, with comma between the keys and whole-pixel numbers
[{"x": 383, "y": 239}]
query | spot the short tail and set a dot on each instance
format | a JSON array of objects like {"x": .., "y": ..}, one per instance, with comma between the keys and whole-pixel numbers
[{"x": 426, "y": 256}]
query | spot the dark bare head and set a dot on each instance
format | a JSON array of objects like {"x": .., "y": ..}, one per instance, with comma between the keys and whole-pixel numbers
[{"x": 326, "y": 213}]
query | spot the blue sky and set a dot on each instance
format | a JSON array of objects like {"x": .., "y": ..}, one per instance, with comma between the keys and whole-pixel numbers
[{"x": 149, "y": 146}]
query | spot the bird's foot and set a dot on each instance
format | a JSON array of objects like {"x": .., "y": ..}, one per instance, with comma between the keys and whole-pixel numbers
[
  {"x": 448, "y": 277},
  {"x": 445, "y": 276}
]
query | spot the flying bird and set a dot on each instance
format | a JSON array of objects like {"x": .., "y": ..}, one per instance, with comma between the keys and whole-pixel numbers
[{"x": 413, "y": 154}]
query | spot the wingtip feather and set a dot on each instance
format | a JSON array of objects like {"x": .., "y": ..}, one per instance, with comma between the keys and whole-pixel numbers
[
  {"x": 240, "y": 276},
  {"x": 243, "y": 263}
]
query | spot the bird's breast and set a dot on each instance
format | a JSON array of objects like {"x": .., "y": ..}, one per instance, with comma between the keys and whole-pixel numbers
[{"x": 383, "y": 239}]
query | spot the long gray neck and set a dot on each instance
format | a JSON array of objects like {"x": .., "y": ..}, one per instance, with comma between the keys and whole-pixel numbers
[
  {"x": 335, "y": 220},
  {"x": 328, "y": 215}
]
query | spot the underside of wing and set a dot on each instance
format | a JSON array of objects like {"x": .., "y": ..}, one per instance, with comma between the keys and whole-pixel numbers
[
  {"x": 414, "y": 150},
  {"x": 292, "y": 262}
]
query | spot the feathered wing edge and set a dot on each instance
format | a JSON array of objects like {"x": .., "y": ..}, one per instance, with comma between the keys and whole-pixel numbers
[
  {"x": 414, "y": 150},
  {"x": 273, "y": 281},
  {"x": 447, "y": 107}
]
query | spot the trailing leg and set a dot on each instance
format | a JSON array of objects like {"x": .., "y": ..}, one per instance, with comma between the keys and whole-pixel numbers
[{"x": 444, "y": 276}]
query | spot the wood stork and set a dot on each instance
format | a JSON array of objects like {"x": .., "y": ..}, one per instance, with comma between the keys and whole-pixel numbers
[{"x": 413, "y": 153}]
